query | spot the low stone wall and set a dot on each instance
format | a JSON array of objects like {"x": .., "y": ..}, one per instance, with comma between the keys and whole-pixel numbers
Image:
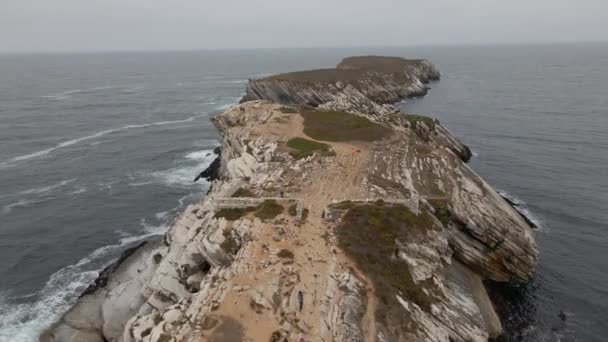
[{"x": 244, "y": 202}]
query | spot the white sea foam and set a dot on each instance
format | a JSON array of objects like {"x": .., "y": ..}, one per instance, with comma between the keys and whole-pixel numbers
[
  {"x": 21, "y": 203},
  {"x": 199, "y": 155},
  {"x": 231, "y": 103},
  {"x": 63, "y": 95},
  {"x": 78, "y": 191},
  {"x": 23, "y": 322},
  {"x": 162, "y": 215},
  {"x": 42, "y": 189},
  {"x": 184, "y": 174},
  {"x": 522, "y": 208},
  {"x": 224, "y": 106},
  {"x": 47, "y": 188},
  {"x": 14, "y": 161}
]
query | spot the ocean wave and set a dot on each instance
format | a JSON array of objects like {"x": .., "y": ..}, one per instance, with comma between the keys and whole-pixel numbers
[
  {"x": 522, "y": 208},
  {"x": 42, "y": 189},
  {"x": 16, "y": 160},
  {"x": 47, "y": 188},
  {"x": 200, "y": 155},
  {"x": 222, "y": 80},
  {"x": 184, "y": 199},
  {"x": 68, "y": 93},
  {"x": 22, "y": 203},
  {"x": 78, "y": 191},
  {"x": 23, "y": 322},
  {"x": 228, "y": 104},
  {"x": 183, "y": 175},
  {"x": 224, "y": 106}
]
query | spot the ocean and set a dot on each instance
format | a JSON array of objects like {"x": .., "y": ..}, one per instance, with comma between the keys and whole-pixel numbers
[{"x": 99, "y": 152}]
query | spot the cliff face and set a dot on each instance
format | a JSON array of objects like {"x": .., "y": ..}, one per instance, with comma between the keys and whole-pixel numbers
[{"x": 325, "y": 226}]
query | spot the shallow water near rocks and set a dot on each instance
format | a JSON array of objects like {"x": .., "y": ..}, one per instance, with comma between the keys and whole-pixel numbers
[{"x": 99, "y": 152}]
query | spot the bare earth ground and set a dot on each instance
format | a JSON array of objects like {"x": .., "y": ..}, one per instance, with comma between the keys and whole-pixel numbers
[{"x": 340, "y": 178}]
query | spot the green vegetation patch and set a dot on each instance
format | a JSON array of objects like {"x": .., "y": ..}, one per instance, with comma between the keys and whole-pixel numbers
[
  {"x": 305, "y": 214},
  {"x": 243, "y": 192},
  {"x": 269, "y": 209},
  {"x": 442, "y": 212},
  {"x": 285, "y": 254},
  {"x": 369, "y": 234},
  {"x": 232, "y": 214},
  {"x": 344, "y": 205},
  {"x": 266, "y": 210},
  {"x": 352, "y": 69},
  {"x": 229, "y": 244},
  {"x": 378, "y": 63},
  {"x": 288, "y": 110},
  {"x": 302, "y": 148},
  {"x": 341, "y": 126}
]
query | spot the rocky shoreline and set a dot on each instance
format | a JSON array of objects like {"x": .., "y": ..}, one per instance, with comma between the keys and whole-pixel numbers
[{"x": 331, "y": 216}]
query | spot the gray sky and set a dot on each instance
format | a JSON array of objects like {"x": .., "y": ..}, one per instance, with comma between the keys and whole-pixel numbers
[{"x": 99, "y": 25}]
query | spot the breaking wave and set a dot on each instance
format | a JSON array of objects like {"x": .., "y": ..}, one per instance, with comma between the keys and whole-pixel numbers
[
  {"x": 22, "y": 320},
  {"x": 183, "y": 175}
]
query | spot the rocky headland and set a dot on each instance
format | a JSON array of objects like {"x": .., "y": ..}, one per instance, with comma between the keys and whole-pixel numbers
[{"x": 331, "y": 217}]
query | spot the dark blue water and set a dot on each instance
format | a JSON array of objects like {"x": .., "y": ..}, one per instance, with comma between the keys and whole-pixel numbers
[{"x": 99, "y": 151}]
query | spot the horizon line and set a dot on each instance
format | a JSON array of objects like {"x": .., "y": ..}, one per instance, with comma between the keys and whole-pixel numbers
[{"x": 336, "y": 47}]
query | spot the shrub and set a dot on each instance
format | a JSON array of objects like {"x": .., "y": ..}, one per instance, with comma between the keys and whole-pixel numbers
[
  {"x": 229, "y": 244},
  {"x": 232, "y": 214},
  {"x": 285, "y": 254},
  {"x": 269, "y": 209}
]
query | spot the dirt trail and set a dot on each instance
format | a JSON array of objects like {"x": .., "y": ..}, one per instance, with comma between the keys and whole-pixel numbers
[{"x": 342, "y": 177}]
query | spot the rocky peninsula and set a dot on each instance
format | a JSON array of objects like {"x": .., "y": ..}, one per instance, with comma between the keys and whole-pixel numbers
[{"x": 331, "y": 216}]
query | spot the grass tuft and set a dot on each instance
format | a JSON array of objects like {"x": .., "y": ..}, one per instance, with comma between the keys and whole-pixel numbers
[{"x": 229, "y": 244}]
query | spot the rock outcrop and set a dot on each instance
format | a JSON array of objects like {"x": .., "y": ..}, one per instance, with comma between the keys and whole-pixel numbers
[
  {"x": 367, "y": 83},
  {"x": 312, "y": 233}
]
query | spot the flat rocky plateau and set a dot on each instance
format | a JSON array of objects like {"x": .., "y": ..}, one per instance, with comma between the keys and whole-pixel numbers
[{"x": 331, "y": 217}]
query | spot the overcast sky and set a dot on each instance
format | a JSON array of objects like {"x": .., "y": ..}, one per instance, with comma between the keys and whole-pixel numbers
[{"x": 101, "y": 25}]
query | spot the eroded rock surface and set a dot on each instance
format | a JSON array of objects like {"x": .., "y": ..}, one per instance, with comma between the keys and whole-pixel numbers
[{"x": 263, "y": 256}]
